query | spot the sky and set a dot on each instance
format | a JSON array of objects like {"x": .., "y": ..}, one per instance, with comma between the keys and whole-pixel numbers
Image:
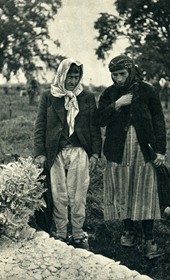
[{"x": 74, "y": 28}]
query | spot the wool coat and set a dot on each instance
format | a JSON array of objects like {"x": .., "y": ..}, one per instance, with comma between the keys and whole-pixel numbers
[
  {"x": 50, "y": 124},
  {"x": 144, "y": 113}
]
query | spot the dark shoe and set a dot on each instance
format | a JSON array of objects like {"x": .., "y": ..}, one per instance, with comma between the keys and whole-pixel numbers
[
  {"x": 61, "y": 239},
  {"x": 81, "y": 242},
  {"x": 151, "y": 250},
  {"x": 127, "y": 239},
  {"x": 57, "y": 237}
]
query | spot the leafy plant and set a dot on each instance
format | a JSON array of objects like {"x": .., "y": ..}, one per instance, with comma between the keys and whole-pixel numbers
[
  {"x": 25, "y": 38},
  {"x": 21, "y": 192},
  {"x": 145, "y": 24}
]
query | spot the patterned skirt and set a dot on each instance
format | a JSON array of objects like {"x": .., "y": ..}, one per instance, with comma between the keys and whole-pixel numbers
[{"x": 130, "y": 188}]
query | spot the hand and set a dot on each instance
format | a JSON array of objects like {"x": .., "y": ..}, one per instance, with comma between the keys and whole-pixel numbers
[
  {"x": 160, "y": 159},
  {"x": 40, "y": 161},
  {"x": 124, "y": 100},
  {"x": 93, "y": 161}
]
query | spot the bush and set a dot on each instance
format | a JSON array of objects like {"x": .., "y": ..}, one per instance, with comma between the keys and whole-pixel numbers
[{"x": 21, "y": 192}]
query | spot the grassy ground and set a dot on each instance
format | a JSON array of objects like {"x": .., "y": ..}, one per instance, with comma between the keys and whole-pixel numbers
[{"x": 17, "y": 120}]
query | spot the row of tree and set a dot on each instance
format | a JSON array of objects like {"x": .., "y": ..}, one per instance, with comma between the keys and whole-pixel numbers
[{"x": 25, "y": 36}]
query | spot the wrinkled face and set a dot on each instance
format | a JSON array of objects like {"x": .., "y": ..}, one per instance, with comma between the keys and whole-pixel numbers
[
  {"x": 120, "y": 76},
  {"x": 72, "y": 80}
]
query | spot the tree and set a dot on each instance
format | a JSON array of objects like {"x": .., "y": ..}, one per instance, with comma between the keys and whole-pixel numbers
[
  {"x": 24, "y": 36},
  {"x": 146, "y": 23}
]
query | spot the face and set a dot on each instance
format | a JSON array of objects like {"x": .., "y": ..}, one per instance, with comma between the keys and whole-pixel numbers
[
  {"x": 72, "y": 81},
  {"x": 120, "y": 76}
]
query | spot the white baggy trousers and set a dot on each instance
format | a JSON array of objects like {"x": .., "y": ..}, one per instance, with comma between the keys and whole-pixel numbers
[{"x": 69, "y": 184}]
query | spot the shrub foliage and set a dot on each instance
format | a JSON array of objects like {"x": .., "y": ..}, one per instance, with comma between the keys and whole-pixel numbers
[{"x": 21, "y": 192}]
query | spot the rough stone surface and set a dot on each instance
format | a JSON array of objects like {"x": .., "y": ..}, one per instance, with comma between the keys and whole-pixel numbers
[{"x": 44, "y": 258}]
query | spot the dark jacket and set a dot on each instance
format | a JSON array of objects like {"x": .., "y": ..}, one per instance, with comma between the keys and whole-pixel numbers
[
  {"x": 145, "y": 113},
  {"x": 50, "y": 124}
]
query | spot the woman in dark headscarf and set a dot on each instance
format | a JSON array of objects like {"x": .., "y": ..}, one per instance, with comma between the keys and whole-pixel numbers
[{"x": 132, "y": 113}]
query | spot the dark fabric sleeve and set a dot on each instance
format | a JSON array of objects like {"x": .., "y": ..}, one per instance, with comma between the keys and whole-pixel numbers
[
  {"x": 106, "y": 112},
  {"x": 158, "y": 121},
  {"x": 40, "y": 126},
  {"x": 95, "y": 132}
]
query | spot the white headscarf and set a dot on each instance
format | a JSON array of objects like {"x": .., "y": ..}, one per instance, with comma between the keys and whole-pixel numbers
[{"x": 58, "y": 90}]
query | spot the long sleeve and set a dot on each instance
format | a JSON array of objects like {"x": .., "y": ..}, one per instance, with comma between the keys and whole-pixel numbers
[
  {"x": 40, "y": 127},
  {"x": 106, "y": 112},
  {"x": 158, "y": 122},
  {"x": 94, "y": 130}
]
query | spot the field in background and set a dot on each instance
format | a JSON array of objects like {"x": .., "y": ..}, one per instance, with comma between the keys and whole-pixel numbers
[{"x": 16, "y": 122}]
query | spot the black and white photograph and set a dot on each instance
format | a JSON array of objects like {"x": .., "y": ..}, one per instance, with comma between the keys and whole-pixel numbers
[{"x": 85, "y": 139}]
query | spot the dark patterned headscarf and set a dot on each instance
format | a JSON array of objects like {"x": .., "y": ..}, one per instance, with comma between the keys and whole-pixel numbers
[
  {"x": 124, "y": 62},
  {"x": 121, "y": 62}
]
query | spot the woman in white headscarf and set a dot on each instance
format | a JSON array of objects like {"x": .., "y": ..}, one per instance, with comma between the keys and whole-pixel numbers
[{"x": 68, "y": 143}]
